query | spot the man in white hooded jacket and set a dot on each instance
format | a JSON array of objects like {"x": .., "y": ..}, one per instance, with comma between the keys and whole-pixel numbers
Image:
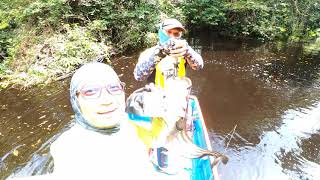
[{"x": 102, "y": 144}]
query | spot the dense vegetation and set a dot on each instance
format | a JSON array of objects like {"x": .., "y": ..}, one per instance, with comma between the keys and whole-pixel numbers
[
  {"x": 266, "y": 20},
  {"x": 44, "y": 40}
]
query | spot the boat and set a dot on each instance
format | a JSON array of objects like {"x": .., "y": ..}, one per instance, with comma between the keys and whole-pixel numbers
[{"x": 200, "y": 167}]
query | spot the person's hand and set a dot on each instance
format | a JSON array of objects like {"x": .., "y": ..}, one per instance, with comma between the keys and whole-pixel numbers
[
  {"x": 175, "y": 47},
  {"x": 179, "y": 48}
]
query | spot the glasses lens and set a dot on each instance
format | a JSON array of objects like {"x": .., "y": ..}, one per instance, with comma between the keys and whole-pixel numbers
[
  {"x": 94, "y": 91},
  {"x": 174, "y": 33},
  {"x": 177, "y": 34},
  {"x": 90, "y": 92},
  {"x": 116, "y": 88}
]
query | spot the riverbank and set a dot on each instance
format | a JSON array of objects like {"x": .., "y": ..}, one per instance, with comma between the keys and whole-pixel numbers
[
  {"x": 54, "y": 57},
  {"x": 44, "y": 41}
]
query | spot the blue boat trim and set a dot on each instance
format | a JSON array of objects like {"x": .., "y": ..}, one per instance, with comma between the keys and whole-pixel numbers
[
  {"x": 201, "y": 167},
  {"x": 139, "y": 118}
]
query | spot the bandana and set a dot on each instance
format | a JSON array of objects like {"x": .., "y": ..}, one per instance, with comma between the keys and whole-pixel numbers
[{"x": 163, "y": 37}]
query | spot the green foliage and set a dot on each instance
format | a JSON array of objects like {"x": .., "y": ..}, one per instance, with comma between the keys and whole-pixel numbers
[
  {"x": 5, "y": 39},
  {"x": 16, "y": 18},
  {"x": 43, "y": 40},
  {"x": 59, "y": 55},
  {"x": 265, "y": 20},
  {"x": 129, "y": 28},
  {"x": 3, "y": 69},
  {"x": 204, "y": 12},
  {"x": 45, "y": 12},
  {"x": 124, "y": 23},
  {"x": 71, "y": 49},
  {"x": 314, "y": 47},
  {"x": 171, "y": 9},
  {"x": 249, "y": 18},
  {"x": 76, "y": 31}
]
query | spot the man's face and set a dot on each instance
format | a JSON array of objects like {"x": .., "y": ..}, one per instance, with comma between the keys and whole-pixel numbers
[
  {"x": 174, "y": 33},
  {"x": 102, "y": 104}
]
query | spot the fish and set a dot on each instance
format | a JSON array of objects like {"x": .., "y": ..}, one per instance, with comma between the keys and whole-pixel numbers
[
  {"x": 179, "y": 135},
  {"x": 175, "y": 88},
  {"x": 170, "y": 104}
]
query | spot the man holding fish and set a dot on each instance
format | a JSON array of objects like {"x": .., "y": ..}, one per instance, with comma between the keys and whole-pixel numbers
[
  {"x": 170, "y": 44},
  {"x": 164, "y": 68}
]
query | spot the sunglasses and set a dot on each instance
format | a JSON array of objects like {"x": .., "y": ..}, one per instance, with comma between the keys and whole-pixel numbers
[
  {"x": 174, "y": 33},
  {"x": 94, "y": 91}
]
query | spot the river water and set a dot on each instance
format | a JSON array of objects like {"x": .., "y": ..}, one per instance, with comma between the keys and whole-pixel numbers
[{"x": 261, "y": 103}]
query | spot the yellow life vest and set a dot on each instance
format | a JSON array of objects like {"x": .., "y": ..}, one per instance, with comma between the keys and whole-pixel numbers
[
  {"x": 159, "y": 77},
  {"x": 149, "y": 135}
]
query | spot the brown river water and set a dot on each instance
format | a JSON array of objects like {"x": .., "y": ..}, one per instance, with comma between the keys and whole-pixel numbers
[{"x": 269, "y": 93}]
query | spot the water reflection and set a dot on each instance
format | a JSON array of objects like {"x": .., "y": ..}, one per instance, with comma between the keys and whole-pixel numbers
[
  {"x": 299, "y": 152},
  {"x": 271, "y": 92},
  {"x": 28, "y": 119}
]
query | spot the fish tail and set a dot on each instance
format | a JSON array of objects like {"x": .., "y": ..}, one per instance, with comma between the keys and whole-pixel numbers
[{"x": 224, "y": 159}]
